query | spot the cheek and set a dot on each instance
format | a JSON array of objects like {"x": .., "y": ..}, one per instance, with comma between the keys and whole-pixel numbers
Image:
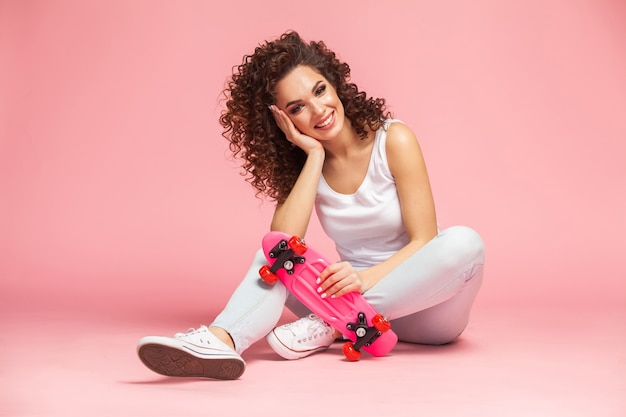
[
  {"x": 335, "y": 102},
  {"x": 299, "y": 122}
]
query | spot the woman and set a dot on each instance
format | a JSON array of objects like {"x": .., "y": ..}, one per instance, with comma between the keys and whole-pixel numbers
[{"x": 310, "y": 139}]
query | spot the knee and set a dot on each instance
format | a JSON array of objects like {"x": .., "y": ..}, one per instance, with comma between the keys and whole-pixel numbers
[{"x": 466, "y": 243}]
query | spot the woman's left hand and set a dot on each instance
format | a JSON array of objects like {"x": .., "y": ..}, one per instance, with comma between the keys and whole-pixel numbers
[{"x": 338, "y": 279}]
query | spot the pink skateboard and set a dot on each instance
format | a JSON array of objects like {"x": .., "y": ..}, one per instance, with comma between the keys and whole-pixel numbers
[{"x": 298, "y": 268}]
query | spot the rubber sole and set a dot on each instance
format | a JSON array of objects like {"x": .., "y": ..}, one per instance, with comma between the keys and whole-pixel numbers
[{"x": 170, "y": 361}]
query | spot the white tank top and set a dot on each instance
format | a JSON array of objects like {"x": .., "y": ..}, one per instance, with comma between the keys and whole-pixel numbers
[{"x": 366, "y": 226}]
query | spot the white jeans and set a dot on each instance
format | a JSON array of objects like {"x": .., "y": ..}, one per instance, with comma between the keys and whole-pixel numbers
[{"x": 428, "y": 298}]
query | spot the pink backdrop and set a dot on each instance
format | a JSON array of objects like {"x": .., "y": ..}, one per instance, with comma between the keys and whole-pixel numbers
[{"x": 117, "y": 195}]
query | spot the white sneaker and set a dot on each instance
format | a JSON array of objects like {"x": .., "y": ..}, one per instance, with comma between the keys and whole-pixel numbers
[
  {"x": 301, "y": 338},
  {"x": 197, "y": 353}
]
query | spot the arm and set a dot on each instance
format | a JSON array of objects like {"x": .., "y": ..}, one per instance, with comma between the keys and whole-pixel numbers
[
  {"x": 416, "y": 200},
  {"x": 294, "y": 214},
  {"x": 418, "y": 212}
]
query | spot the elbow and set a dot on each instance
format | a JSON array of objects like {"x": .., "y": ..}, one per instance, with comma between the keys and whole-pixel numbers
[{"x": 290, "y": 229}]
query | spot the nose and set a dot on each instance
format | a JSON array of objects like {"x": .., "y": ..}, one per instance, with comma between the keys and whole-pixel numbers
[{"x": 317, "y": 107}]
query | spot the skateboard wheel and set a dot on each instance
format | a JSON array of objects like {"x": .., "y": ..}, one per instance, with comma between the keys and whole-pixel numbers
[
  {"x": 297, "y": 245},
  {"x": 267, "y": 275},
  {"x": 350, "y": 352},
  {"x": 380, "y": 323}
]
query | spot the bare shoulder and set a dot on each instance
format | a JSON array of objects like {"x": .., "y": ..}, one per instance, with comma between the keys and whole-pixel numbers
[
  {"x": 400, "y": 128},
  {"x": 400, "y": 140}
]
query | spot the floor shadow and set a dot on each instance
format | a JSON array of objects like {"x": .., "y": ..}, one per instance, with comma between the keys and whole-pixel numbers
[{"x": 172, "y": 381}]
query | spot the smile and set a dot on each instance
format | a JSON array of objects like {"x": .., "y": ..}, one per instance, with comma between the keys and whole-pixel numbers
[{"x": 326, "y": 121}]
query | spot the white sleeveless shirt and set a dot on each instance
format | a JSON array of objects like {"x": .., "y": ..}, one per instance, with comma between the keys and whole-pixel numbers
[{"x": 366, "y": 226}]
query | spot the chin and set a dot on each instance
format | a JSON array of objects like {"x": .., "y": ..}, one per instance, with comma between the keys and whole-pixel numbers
[{"x": 335, "y": 129}]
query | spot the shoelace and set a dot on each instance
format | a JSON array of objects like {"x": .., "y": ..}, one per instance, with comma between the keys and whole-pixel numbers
[
  {"x": 308, "y": 328},
  {"x": 188, "y": 332}
]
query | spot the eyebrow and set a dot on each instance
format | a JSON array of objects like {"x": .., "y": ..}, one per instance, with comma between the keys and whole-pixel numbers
[{"x": 312, "y": 90}]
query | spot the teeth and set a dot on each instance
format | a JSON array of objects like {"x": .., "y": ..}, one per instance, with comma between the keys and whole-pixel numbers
[{"x": 326, "y": 122}]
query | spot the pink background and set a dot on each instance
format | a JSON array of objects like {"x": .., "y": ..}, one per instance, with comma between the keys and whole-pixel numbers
[{"x": 118, "y": 198}]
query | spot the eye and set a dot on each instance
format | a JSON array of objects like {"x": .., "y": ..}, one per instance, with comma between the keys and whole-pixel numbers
[
  {"x": 295, "y": 109},
  {"x": 321, "y": 90}
]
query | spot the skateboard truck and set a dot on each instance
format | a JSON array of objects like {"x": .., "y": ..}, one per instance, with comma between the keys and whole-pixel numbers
[
  {"x": 287, "y": 255},
  {"x": 365, "y": 335}
]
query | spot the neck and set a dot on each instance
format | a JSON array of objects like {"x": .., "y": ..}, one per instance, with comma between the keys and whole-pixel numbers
[{"x": 342, "y": 145}]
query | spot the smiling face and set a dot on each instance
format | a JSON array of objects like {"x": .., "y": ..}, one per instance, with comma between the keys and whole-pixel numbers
[{"x": 311, "y": 103}]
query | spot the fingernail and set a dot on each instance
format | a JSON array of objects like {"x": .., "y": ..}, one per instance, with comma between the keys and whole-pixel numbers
[
  {"x": 319, "y": 280},
  {"x": 271, "y": 107},
  {"x": 319, "y": 289},
  {"x": 324, "y": 295},
  {"x": 332, "y": 296}
]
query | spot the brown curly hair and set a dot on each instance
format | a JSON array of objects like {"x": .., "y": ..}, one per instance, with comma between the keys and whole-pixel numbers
[{"x": 271, "y": 163}]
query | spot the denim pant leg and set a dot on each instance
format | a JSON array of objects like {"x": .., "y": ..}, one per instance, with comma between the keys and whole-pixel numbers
[
  {"x": 428, "y": 297},
  {"x": 253, "y": 309}
]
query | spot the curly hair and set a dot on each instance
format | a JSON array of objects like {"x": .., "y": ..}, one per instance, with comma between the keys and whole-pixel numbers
[{"x": 271, "y": 164}]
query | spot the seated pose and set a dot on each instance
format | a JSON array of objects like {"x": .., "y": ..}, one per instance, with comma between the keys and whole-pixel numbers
[{"x": 309, "y": 139}]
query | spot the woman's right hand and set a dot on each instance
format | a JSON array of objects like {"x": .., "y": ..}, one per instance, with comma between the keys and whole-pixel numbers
[{"x": 293, "y": 135}]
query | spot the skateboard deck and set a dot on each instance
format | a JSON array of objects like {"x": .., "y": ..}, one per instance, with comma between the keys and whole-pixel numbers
[{"x": 298, "y": 267}]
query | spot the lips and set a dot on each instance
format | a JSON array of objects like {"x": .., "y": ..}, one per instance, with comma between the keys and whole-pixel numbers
[{"x": 326, "y": 122}]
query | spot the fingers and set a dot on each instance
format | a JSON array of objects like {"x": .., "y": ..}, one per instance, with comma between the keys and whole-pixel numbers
[
  {"x": 284, "y": 123},
  {"x": 292, "y": 133},
  {"x": 338, "y": 279}
]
